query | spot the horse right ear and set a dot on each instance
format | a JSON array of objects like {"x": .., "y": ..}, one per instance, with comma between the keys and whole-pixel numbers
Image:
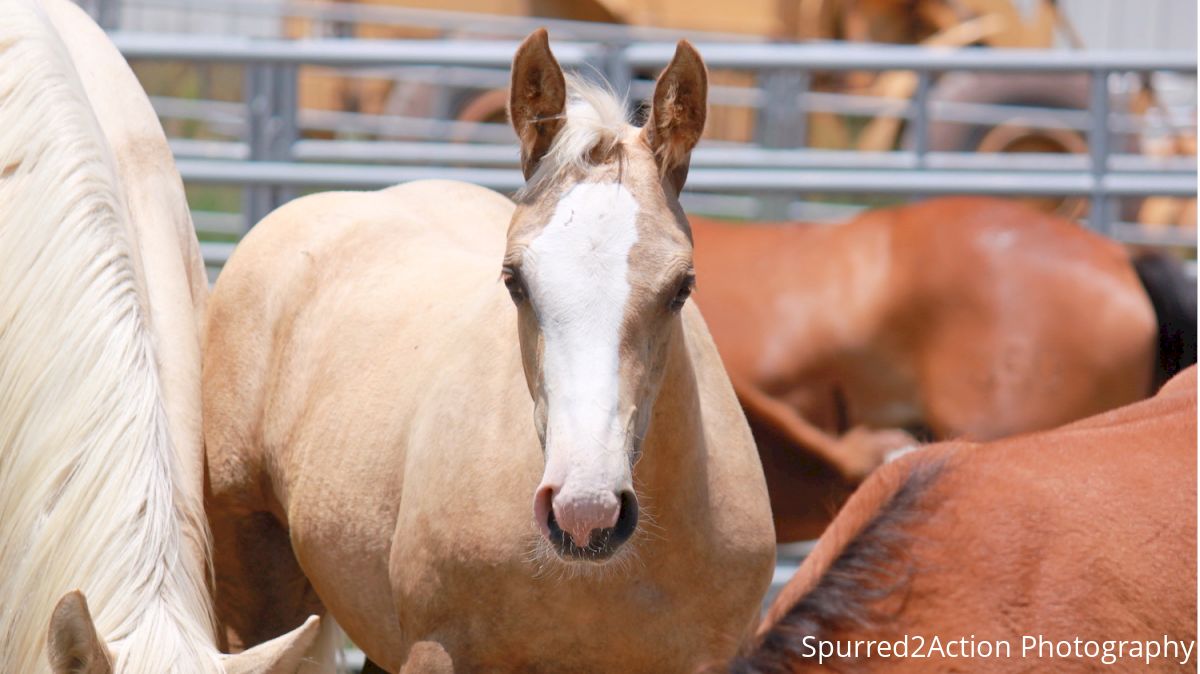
[
  {"x": 677, "y": 113},
  {"x": 73, "y": 645},
  {"x": 537, "y": 99}
]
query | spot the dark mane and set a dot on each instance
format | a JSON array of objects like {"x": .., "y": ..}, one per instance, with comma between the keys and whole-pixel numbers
[{"x": 872, "y": 567}]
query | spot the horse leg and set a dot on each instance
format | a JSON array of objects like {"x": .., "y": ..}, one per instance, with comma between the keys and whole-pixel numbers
[
  {"x": 260, "y": 590},
  {"x": 854, "y": 455}
]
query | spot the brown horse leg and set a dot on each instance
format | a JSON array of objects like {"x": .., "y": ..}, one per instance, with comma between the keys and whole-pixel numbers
[
  {"x": 854, "y": 455},
  {"x": 260, "y": 590}
]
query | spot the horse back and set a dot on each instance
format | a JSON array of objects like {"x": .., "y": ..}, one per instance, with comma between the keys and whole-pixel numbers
[
  {"x": 985, "y": 540},
  {"x": 967, "y": 271},
  {"x": 331, "y": 271}
]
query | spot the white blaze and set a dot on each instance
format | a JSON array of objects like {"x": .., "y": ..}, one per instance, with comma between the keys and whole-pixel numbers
[{"x": 576, "y": 270}]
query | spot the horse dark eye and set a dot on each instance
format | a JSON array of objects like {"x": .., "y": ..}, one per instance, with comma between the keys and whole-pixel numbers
[
  {"x": 512, "y": 281},
  {"x": 684, "y": 292}
]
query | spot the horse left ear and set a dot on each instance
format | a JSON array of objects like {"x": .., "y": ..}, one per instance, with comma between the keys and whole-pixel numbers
[
  {"x": 537, "y": 99},
  {"x": 677, "y": 113},
  {"x": 72, "y": 643}
]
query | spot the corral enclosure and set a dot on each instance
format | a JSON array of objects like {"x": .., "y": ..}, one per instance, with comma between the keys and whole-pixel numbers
[
  {"x": 266, "y": 100},
  {"x": 379, "y": 93},
  {"x": 824, "y": 400}
]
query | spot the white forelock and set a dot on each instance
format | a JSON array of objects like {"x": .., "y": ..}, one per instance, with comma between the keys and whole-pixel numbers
[{"x": 596, "y": 119}]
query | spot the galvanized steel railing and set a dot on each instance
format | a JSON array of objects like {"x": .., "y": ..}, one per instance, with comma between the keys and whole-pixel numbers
[{"x": 272, "y": 159}]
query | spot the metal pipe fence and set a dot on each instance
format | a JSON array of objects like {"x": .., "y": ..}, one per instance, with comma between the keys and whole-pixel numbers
[{"x": 272, "y": 159}]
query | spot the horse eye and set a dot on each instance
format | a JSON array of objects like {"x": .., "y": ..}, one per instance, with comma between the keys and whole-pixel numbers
[
  {"x": 684, "y": 292},
  {"x": 512, "y": 281}
]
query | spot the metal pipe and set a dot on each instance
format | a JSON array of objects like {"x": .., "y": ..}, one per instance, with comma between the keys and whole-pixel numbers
[
  {"x": 1098, "y": 217},
  {"x": 921, "y": 122},
  {"x": 498, "y": 53},
  {"x": 751, "y": 181}
]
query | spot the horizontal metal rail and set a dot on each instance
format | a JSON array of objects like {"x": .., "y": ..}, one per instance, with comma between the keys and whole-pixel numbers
[
  {"x": 226, "y": 113},
  {"x": 826, "y": 57},
  {"x": 753, "y": 56},
  {"x": 333, "y": 53},
  {"x": 752, "y": 181},
  {"x": 431, "y": 19},
  {"x": 486, "y": 155}
]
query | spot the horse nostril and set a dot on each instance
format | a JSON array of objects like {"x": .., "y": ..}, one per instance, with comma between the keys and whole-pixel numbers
[
  {"x": 543, "y": 513},
  {"x": 627, "y": 520}
]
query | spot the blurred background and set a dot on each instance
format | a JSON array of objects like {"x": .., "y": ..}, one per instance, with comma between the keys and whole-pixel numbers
[{"x": 818, "y": 108}]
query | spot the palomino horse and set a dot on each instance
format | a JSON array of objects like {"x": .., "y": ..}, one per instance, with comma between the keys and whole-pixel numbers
[
  {"x": 1083, "y": 533},
  {"x": 963, "y": 317},
  {"x": 505, "y": 452},
  {"x": 102, "y": 289}
]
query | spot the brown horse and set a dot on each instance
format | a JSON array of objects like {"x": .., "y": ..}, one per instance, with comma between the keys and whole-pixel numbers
[
  {"x": 486, "y": 435},
  {"x": 971, "y": 317},
  {"x": 1013, "y": 553}
]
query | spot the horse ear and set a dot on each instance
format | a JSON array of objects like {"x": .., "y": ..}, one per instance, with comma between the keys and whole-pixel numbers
[
  {"x": 281, "y": 655},
  {"x": 678, "y": 112},
  {"x": 73, "y": 645},
  {"x": 537, "y": 98}
]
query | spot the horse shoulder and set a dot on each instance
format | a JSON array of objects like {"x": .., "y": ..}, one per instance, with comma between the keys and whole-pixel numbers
[
  {"x": 871, "y": 501},
  {"x": 733, "y": 458}
]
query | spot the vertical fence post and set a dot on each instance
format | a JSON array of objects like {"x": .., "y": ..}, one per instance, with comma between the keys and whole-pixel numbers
[
  {"x": 287, "y": 127},
  {"x": 254, "y": 199},
  {"x": 106, "y": 14},
  {"x": 781, "y": 124},
  {"x": 920, "y": 119},
  {"x": 270, "y": 92},
  {"x": 1099, "y": 218}
]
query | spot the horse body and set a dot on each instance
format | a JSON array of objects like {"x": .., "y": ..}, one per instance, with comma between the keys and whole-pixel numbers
[
  {"x": 369, "y": 387},
  {"x": 99, "y": 370},
  {"x": 1084, "y": 531},
  {"x": 966, "y": 317}
]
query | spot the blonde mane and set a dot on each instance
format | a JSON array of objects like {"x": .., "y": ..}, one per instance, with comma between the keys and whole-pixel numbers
[
  {"x": 88, "y": 491},
  {"x": 596, "y": 121}
]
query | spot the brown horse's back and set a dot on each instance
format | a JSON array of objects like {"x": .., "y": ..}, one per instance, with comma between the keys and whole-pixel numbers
[
  {"x": 1086, "y": 531},
  {"x": 1014, "y": 320}
]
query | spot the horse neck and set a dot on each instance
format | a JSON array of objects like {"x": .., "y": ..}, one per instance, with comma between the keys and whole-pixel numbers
[
  {"x": 673, "y": 451},
  {"x": 838, "y": 278},
  {"x": 89, "y": 490},
  {"x": 815, "y": 267}
]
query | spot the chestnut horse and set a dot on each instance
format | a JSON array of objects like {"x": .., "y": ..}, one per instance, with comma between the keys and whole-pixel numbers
[
  {"x": 971, "y": 317},
  {"x": 489, "y": 451},
  {"x": 1087, "y": 531},
  {"x": 103, "y": 565}
]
